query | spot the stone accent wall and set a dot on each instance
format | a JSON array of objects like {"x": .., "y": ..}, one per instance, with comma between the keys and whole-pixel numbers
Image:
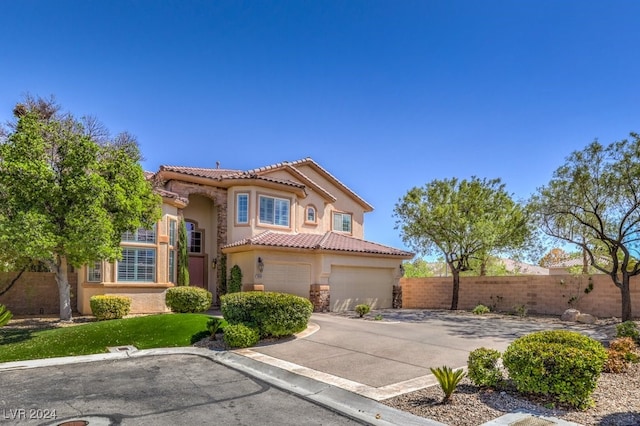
[
  {"x": 397, "y": 297},
  {"x": 319, "y": 294},
  {"x": 543, "y": 294},
  {"x": 35, "y": 293}
]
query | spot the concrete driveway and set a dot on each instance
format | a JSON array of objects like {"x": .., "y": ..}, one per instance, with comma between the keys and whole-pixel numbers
[{"x": 382, "y": 359}]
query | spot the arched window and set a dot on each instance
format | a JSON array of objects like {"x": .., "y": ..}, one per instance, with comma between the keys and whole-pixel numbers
[{"x": 310, "y": 216}]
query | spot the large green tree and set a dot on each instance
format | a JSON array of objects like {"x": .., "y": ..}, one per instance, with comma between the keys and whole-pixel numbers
[
  {"x": 593, "y": 201},
  {"x": 68, "y": 192},
  {"x": 464, "y": 220}
]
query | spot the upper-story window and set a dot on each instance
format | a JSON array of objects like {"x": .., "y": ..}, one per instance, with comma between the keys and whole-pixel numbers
[
  {"x": 342, "y": 222},
  {"x": 274, "y": 211},
  {"x": 194, "y": 237},
  {"x": 242, "y": 208},
  {"x": 310, "y": 217}
]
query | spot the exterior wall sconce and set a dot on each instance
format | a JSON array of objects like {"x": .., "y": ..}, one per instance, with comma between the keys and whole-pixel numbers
[
  {"x": 214, "y": 263},
  {"x": 401, "y": 270},
  {"x": 260, "y": 265}
]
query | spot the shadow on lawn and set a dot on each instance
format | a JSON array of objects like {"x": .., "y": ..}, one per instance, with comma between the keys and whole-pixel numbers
[{"x": 16, "y": 335}]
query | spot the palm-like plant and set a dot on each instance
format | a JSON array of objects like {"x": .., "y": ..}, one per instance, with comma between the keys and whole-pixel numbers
[
  {"x": 5, "y": 315},
  {"x": 449, "y": 380}
]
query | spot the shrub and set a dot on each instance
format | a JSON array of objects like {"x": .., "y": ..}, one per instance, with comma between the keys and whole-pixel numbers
[
  {"x": 483, "y": 367},
  {"x": 520, "y": 310},
  {"x": 106, "y": 307},
  {"x": 240, "y": 336},
  {"x": 563, "y": 364},
  {"x": 481, "y": 310},
  {"x": 273, "y": 314},
  {"x": 5, "y": 315},
  {"x": 188, "y": 299},
  {"x": 620, "y": 354},
  {"x": 362, "y": 310},
  {"x": 448, "y": 379},
  {"x": 235, "y": 281},
  {"x": 628, "y": 329}
]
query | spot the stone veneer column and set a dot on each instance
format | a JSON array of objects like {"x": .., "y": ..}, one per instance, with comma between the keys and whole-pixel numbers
[
  {"x": 397, "y": 296},
  {"x": 319, "y": 295}
]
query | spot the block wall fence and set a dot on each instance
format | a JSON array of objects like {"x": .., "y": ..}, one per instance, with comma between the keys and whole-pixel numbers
[
  {"x": 35, "y": 293},
  {"x": 542, "y": 294}
]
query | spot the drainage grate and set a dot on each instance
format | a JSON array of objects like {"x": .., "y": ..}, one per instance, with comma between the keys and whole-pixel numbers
[
  {"x": 532, "y": 421},
  {"x": 116, "y": 349}
]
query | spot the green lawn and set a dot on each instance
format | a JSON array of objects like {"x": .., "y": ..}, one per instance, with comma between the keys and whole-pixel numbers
[{"x": 154, "y": 331}]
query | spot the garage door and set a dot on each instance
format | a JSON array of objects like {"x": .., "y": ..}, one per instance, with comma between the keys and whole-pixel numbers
[
  {"x": 293, "y": 278},
  {"x": 351, "y": 286}
]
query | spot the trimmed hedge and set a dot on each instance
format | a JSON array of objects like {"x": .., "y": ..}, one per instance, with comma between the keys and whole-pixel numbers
[
  {"x": 106, "y": 307},
  {"x": 563, "y": 364},
  {"x": 240, "y": 336},
  {"x": 186, "y": 299},
  {"x": 272, "y": 314},
  {"x": 483, "y": 367}
]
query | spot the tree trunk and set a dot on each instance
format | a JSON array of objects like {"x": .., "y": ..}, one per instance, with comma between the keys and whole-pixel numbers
[
  {"x": 64, "y": 289},
  {"x": 456, "y": 288},
  {"x": 626, "y": 298}
]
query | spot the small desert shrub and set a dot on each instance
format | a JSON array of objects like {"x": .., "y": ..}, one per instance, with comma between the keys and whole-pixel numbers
[
  {"x": 620, "y": 354},
  {"x": 5, "y": 315},
  {"x": 106, "y": 307},
  {"x": 188, "y": 299},
  {"x": 563, "y": 364},
  {"x": 520, "y": 310},
  {"x": 362, "y": 310},
  {"x": 483, "y": 367},
  {"x": 481, "y": 310},
  {"x": 628, "y": 329},
  {"x": 240, "y": 336},
  {"x": 273, "y": 314},
  {"x": 448, "y": 379}
]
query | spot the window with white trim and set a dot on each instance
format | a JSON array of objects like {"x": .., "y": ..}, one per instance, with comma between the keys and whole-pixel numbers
[
  {"x": 274, "y": 211},
  {"x": 311, "y": 214},
  {"x": 137, "y": 264},
  {"x": 242, "y": 208},
  {"x": 94, "y": 272},
  {"x": 342, "y": 222}
]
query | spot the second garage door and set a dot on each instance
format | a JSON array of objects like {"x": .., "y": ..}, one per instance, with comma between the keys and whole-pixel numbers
[
  {"x": 293, "y": 278},
  {"x": 351, "y": 286}
]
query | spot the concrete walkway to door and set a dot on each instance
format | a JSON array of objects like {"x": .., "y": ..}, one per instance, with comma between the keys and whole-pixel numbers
[{"x": 382, "y": 359}]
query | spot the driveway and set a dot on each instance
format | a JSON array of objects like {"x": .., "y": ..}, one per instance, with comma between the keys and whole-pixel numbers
[{"x": 382, "y": 359}]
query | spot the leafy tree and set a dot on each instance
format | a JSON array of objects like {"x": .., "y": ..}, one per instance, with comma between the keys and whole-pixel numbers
[
  {"x": 65, "y": 198},
  {"x": 463, "y": 220},
  {"x": 183, "y": 255},
  {"x": 593, "y": 201},
  {"x": 553, "y": 257},
  {"x": 417, "y": 268}
]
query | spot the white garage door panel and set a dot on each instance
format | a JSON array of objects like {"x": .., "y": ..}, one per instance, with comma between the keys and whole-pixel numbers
[
  {"x": 292, "y": 278},
  {"x": 351, "y": 286}
]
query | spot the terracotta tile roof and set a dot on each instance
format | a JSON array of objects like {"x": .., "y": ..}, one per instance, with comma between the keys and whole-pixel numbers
[
  {"x": 200, "y": 171},
  {"x": 168, "y": 194},
  {"x": 331, "y": 241}
]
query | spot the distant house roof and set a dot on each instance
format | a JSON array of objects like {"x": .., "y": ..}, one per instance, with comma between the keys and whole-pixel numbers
[
  {"x": 568, "y": 263},
  {"x": 331, "y": 241},
  {"x": 524, "y": 268}
]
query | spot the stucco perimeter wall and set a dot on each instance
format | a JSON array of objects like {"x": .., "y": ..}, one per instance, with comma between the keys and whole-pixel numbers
[
  {"x": 35, "y": 293},
  {"x": 540, "y": 294},
  {"x": 145, "y": 298}
]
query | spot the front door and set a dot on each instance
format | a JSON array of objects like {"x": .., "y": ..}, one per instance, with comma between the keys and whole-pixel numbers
[{"x": 197, "y": 255}]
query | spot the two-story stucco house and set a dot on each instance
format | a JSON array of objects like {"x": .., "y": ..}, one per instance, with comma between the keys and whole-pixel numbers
[{"x": 291, "y": 227}]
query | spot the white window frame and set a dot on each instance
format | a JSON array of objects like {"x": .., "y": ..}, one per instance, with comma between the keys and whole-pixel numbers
[
  {"x": 314, "y": 213},
  {"x": 343, "y": 224},
  {"x": 242, "y": 215},
  {"x": 94, "y": 272},
  {"x": 274, "y": 215},
  {"x": 141, "y": 269}
]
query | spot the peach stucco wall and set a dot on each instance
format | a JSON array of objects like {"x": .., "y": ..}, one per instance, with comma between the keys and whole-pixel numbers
[{"x": 539, "y": 293}]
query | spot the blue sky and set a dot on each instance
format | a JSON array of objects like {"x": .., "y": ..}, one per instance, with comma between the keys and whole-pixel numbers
[{"x": 386, "y": 95}]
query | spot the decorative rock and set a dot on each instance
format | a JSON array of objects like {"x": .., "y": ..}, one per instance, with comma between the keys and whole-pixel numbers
[
  {"x": 586, "y": 319},
  {"x": 570, "y": 315}
]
